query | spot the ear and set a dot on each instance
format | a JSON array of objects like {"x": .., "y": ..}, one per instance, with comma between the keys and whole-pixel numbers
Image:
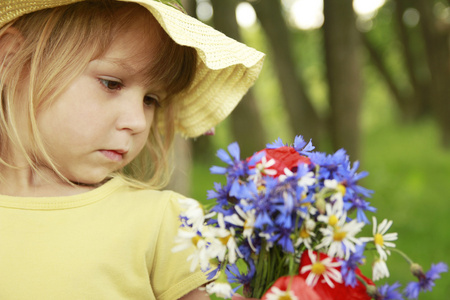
[{"x": 10, "y": 41}]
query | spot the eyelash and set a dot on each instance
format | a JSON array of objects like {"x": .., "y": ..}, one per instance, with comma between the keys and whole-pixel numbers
[
  {"x": 117, "y": 86},
  {"x": 151, "y": 100},
  {"x": 107, "y": 84}
]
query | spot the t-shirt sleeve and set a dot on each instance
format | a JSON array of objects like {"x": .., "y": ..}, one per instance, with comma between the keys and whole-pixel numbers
[{"x": 170, "y": 274}]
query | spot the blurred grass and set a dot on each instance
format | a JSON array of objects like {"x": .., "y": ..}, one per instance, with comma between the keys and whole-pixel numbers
[{"x": 410, "y": 175}]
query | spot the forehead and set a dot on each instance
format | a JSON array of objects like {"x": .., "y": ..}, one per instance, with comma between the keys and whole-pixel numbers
[{"x": 135, "y": 43}]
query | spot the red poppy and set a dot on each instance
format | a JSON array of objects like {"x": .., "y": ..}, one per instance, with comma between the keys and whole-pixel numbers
[
  {"x": 340, "y": 291},
  {"x": 285, "y": 157},
  {"x": 296, "y": 284}
]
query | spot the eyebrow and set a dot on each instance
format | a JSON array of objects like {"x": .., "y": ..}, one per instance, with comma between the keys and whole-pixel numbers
[
  {"x": 155, "y": 86},
  {"x": 120, "y": 63}
]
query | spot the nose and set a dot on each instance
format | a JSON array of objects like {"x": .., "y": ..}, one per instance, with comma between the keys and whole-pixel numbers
[{"x": 133, "y": 115}]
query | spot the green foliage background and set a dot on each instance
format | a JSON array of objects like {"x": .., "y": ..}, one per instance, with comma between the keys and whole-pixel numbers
[{"x": 408, "y": 170}]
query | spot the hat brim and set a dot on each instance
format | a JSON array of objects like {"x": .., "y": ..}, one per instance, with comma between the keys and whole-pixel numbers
[{"x": 226, "y": 69}]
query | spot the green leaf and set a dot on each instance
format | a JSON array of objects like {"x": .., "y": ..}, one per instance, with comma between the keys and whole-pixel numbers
[{"x": 175, "y": 4}]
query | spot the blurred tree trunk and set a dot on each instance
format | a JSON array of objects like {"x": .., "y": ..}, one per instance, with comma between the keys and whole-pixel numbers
[
  {"x": 190, "y": 6},
  {"x": 412, "y": 101},
  {"x": 436, "y": 37},
  {"x": 303, "y": 119},
  {"x": 378, "y": 62},
  {"x": 343, "y": 74},
  {"x": 246, "y": 125},
  {"x": 416, "y": 104}
]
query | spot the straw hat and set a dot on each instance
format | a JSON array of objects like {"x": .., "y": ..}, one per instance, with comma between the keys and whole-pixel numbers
[{"x": 227, "y": 68}]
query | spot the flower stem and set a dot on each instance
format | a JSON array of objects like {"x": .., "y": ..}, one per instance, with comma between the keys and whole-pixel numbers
[{"x": 403, "y": 254}]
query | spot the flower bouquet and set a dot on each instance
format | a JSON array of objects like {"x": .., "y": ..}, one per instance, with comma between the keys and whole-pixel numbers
[{"x": 286, "y": 225}]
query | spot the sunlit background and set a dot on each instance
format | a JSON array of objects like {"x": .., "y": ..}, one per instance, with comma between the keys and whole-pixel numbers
[
  {"x": 303, "y": 14},
  {"x": 308, "y": 14}
]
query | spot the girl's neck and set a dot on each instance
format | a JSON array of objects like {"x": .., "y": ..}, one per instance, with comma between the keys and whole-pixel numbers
[{"x": 27, "y": 183}]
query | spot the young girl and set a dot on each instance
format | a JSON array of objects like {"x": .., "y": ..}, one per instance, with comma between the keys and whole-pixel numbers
[{"x": 92, "y": 93}]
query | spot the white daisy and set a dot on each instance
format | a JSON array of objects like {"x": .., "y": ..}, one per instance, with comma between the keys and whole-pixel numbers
[
  {"x": 340, "y": 238},
  {"x": 263, "y": 167},
  {"x": 276, "y": 294},
  {"x": 380, "y": 239},
  {"x": 306, "y": 234},
  {"x": 223, "y": 242},
  {"x": 188, "y": 238},
  {"x": 185, "y": 239},
  {"x": 379, "y": 270},
  {"x": 267, "y": 237},
  {"x": 311, "y": 210},
  {"x": 306, "y": 180},
  {"x": 221, "y": 289},
  {"x": 324, "y": 268},
  {"x": 246, "y": 220},
  {"x": 287, "y": 173},
  {"x": 332, "y": 215},
  {"x": 338, "y": 191},
  {"x": 193, "y": 211}
]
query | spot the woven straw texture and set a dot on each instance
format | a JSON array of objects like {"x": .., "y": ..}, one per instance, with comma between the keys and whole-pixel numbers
[{"x": 227, "y": 68}]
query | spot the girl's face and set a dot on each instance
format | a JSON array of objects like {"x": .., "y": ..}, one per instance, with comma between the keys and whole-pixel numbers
[{"x": 102, "y": 120}]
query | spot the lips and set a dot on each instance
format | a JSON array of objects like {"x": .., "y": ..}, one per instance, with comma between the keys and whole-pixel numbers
[{"x": 114, "y": 155}]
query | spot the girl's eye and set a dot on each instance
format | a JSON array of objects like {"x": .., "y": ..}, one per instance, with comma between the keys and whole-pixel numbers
[
  {"x": 151, "y": 100},
  {"x": 111, "y": 84}
]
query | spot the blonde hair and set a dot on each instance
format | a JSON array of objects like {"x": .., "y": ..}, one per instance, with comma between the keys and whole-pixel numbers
[{"x": 58, "y": 43}]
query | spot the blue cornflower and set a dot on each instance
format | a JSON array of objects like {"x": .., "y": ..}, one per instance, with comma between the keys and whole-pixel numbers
[
  {"x": 242, "y": 190},
  {"x": 223, "y": 204},
  {"x": 426, "y": 281},
  {"x": 277, "y": 144},
  {"x": 282, "y": 237},
  {"x": 263, "y": 204},
  {"x": 350, "y": 177},
  {"x": 248, "y": 250},
  {"x": 284, "y": 195},
  {"x": 237, "y": 171},
  {"x": 299, "y": 145},
  {"x": 263, "y": 217},
  {"x": 350, "y": 265},
  {"x": 235, "y": 275},
  {"x": 211, "y": 273},
  {"x": 302, "y": 147},
  {"x": 389, "y": 292},
  {"x": 285, "y": 220},
  {"x": 361, "y": 206},
  {"x": 328, "y": 163}
]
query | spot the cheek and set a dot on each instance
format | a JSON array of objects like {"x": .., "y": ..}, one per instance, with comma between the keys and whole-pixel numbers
[{"x": 139, "y": 142}]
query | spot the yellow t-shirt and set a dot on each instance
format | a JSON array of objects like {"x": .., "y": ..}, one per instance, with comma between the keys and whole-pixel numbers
[{"x": 113, "y": 242}]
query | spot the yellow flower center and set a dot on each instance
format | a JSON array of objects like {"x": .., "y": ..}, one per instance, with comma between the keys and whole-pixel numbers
[
  {"x": 318, "y": 268},
  {"x": 195, "y": 240},
  {"x": 285, "y": 296},
  {"x": 341, "y": 188},
  {"x": 378, "y": 239},
  {"x": 246, "y": 226},
  {"x": 304, "y": 234},
  {"x": 333, "y": 220},
  {"x": 306, "y": 204},
  {"x": 339, "y": 235},
  {"x": 225, "y": 239}
]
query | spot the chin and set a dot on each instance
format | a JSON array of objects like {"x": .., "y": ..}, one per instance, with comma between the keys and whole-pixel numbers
[{"x": 89, "y": 179}]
